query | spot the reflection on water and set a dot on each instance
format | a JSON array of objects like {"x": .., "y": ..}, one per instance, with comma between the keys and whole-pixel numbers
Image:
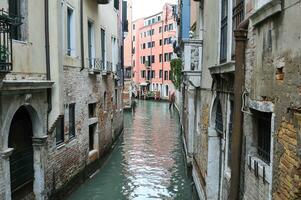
[{"x": 148, "y": 162}]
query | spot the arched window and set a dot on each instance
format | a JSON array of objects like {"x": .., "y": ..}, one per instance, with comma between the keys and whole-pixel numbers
[{"x": 219, "y": 118}]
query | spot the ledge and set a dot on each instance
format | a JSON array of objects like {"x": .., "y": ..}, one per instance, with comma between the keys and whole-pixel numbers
[
  {"x": 26, "y": 85},
  {"x": 228, "y": 67},
  {"x": 271, "y": 8}
]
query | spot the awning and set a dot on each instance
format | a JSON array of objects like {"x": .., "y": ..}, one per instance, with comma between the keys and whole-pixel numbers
[{"x": 143, "y": 84}]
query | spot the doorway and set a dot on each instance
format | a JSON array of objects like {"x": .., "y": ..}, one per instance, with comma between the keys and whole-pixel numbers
[{"x": 21, "y": 161}]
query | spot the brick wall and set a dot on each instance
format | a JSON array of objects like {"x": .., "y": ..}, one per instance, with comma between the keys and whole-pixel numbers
[{"x": 287, "y": 184}]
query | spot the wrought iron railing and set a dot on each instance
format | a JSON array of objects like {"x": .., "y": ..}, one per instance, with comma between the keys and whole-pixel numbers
[
  {"x": 95, "y": 64},
  {"x": 109, "y": 66}
]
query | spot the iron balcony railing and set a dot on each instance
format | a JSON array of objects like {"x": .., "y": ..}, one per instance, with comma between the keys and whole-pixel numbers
[
  {"x": 109, "y": 66},
  {"x": 7, "y": 22},
  {"x": 95, "y": 64}
]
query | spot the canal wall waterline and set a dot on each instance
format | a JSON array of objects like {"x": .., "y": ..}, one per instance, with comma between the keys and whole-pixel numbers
[{"x": 85, "y": 174}]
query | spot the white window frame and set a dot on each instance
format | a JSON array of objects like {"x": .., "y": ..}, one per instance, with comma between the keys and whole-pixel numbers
[{"x": 72, "y": 31}]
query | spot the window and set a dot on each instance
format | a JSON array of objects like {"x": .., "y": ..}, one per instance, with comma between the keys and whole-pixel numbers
[
  {"x": 90, "y": 43},
  {"x": 224, "y": 29},
  {"x": 134, "y": 38},
  {"x": 219, "y": 118},
  {"x": 72, "y": 120},
  {"x": 160, "y": 29},
  {"x": 114, "y": 53},
  {"x": 159, "y": 18},
  {"x": 165, "y": 28},
  {"x": 116, "y": 4},
  {"x": 70, "y": 32},
  {"x": 103, "y": 45},
  {"x": 230, "y": 133},
  {"x": 15, "y": 10},
  {"x": 92, "y": 110},
  {"x": 170, "y": 27},
  {"x": 134, "y": 27},
  {"x": 153, "y": 59},
  {"x": 165, "y": 75},
  {"x": 169, "y": 56},
  {"x": 60, "y": 130},
  {"x": 160, "y": 73},
  {"x": 160, "y": 58},
  {"x": 170, "y": 75},
  {"x": 143, "y": 74},
  {"x": 116, "y": 97},
  {"x": 144, "y": 45},
  {"x": 143, "y": 59},
  {"x": 263, "y": 134},
  {"x": 153, "y": 74},
  {"x": 161, "y": 42},
  {"x": 165, "y": 57},
  {"x": 92, "y": 130},
  {"x": 165, "y": 41},
  {"x": 105, "y": 101}
]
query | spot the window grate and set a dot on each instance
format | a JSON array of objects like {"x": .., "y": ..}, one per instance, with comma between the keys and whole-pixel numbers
[
  {"x": 219, "y": 118},
  {"x": 263, "y": 123}
]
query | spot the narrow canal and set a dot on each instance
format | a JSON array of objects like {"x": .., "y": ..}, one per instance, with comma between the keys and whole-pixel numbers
[{"x": 148, "y": 161}]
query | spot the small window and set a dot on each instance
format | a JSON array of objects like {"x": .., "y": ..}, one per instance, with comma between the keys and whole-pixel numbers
[
  {"x": 72, "y": 120},
  {"x": 134, "y": 27},
  {"x": 160, "y": 29},
  {"x": 160, "y": 73},
  {"x": 60, "y": 130},
  {"x": 165, "y": 57},
  {"x": 160, "y": 58},
  {"x": 153, "y": 74},
  {"x": 92, "y": 110},
  {"x": 92, "y": 131},
  {"x": 116, "y": 4},
  {"x": 262, "y": 122},
  {"x": 134, "y": 38},
  {"x": 116, "y": 97},
  {"x": 230, "y": 133},
  {"x": 165, "y": 75},
  {"x": 165, "y": 28},
  {"x": 105, "y": 103},
  {"x": 170, "y": 27},
  {"x": 161, "y": 42},
  {"x": 219, "y": 118},
  {"x": 70, "y": 32}
]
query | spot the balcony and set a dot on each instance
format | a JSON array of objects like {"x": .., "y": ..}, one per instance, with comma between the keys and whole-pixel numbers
[
  {"x": 103, "y": 1},
  {"x": 193, "y": 58},
  {"x": 95, "y": 65},
  {"x": 6, "y": 51}
]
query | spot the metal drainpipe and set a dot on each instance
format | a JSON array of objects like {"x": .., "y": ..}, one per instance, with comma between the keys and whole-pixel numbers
[
  {"x": 82, "y": 35},
  {"x": 47, "y": 52},
  {"x": 241, "y": 34}
]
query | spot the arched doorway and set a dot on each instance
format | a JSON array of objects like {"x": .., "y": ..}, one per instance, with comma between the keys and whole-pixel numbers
[{"x": 21, "y": 161}]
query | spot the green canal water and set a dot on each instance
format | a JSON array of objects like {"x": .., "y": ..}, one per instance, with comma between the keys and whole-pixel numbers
[{"x": 148, "y": 161}]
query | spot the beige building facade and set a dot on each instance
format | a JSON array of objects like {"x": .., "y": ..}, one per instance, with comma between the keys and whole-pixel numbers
[{"x": 61, "y": 86}]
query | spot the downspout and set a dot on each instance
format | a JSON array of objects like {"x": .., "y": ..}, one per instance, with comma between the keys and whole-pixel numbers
[
  {"x": 82, "y": 35},
  {"x": 241, "y": 36},
  {"x": 47, "y": 52}
]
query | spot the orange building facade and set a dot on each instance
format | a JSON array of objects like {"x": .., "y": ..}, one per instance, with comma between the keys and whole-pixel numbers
[{"x": 152, "y": 51}]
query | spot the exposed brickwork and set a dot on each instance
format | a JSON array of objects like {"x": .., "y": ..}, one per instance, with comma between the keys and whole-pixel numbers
[{"x": 287, "y": 183}]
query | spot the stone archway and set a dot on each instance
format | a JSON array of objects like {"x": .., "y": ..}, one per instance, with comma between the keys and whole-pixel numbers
[
  {"x": 21, "y": 160},
  {"x": 214, "y": 149},
  {"x": 31, "y": 120}
]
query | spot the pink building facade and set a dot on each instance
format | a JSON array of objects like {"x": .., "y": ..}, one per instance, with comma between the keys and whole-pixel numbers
[{"x": 152, "y": 51}]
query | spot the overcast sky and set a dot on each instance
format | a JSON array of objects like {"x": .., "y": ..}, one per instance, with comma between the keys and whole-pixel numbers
[{"x": 144, "y": 8}]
